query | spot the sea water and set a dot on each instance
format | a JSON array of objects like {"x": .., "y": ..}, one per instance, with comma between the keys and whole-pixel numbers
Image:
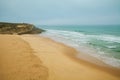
[{"x": 100, "y": 41}]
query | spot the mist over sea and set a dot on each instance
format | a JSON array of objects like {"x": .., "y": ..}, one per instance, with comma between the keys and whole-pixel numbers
[{"x": 100, "y": 41}]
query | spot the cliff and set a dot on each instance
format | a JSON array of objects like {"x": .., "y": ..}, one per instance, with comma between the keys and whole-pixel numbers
[{"x": 18, "y": 28}]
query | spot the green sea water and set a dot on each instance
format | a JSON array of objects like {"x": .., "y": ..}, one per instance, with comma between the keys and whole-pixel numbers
[
  {"x": 88, "y": 29},
  {"x": 104, "y": 39}
]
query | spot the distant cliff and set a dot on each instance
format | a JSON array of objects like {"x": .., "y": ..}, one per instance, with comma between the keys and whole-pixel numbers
[{"x": 18, "y": 28}]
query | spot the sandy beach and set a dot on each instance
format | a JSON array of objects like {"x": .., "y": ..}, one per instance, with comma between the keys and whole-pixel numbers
[
  {"x": 17, "y": 61},
  {"x": 32, "y": 57}
]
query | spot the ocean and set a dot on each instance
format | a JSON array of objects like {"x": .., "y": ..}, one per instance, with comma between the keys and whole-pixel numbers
[{"x": 99, "y": 41}]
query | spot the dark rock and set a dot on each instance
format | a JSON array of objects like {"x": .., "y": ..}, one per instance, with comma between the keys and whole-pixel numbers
[{"x": 18, "y": 28}]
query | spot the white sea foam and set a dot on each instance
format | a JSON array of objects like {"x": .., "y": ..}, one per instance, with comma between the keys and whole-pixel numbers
[
  {"x": 112, "y": 47},
  {"x": 109, "y": 38}
]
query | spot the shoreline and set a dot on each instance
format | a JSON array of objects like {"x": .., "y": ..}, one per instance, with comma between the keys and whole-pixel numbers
[
  {"x": 87, "y": 59},
  {"x": 92, "y": 45},
  {"x": 80, "y": 53},
  {"x": 56, "y": 59},
  {"x": 72, "y": 55}
]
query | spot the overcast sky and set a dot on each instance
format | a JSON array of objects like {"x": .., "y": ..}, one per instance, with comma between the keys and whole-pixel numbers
[{"x": 51, "y": 12}]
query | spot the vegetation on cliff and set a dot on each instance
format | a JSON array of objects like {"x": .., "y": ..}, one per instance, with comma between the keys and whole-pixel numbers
[{"x": 18, "y": 28}]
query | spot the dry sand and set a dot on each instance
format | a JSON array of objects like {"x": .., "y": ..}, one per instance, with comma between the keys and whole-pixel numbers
[
  {"x": 17, "y": 61},
  {"x": 45, "y": 60}
]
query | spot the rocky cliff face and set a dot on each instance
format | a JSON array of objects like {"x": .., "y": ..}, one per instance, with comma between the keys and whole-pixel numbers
[{"x": 18, "y": 28}]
